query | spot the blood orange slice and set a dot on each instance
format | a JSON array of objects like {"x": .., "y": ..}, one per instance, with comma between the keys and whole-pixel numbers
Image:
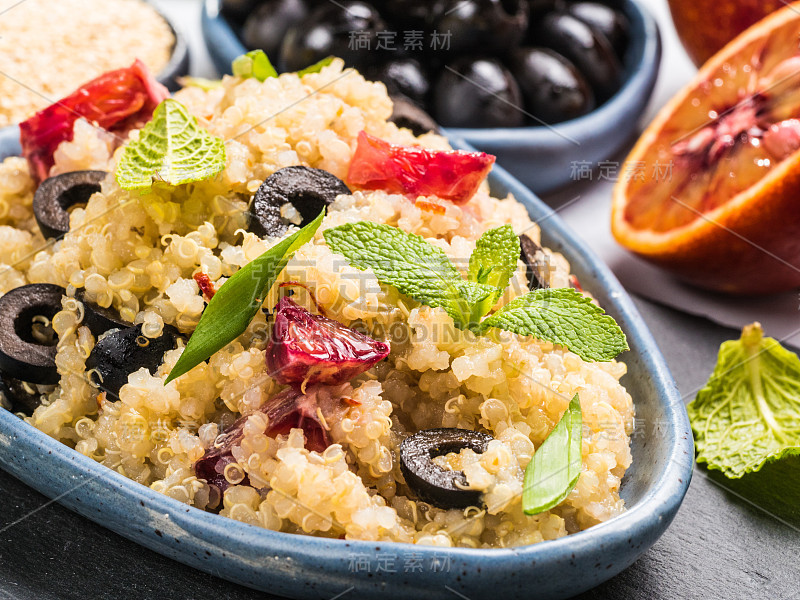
[{"x": 711, "y": 191}]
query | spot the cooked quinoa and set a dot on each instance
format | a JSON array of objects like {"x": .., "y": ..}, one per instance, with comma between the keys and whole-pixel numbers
[
  {"x": 138, "y": 254},
  {"x": 49, "y": 47}
]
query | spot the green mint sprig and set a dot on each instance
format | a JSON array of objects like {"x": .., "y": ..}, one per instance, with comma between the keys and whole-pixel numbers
[
  {"x": 425, "y": 273},
  {"x": 171, "y": 148},
  {"x": 256, "y": 64}
]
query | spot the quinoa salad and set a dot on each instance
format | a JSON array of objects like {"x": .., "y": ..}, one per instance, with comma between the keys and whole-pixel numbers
[{"x": 352, "y": 401}]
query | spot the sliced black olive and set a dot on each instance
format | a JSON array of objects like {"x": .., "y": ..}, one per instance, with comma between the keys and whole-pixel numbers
[
  {"x": 308, "y": 190},
  {"x": 534, "y": 258},
  {"x": 407, "y": 114},
  {"x": 25, "y": 355},
  {"x": 99, "y": 319},
  {"x": 57, "y": 194},
  {"x": 432, "y": 483},
  {"x": 18, "y": 396},
  {"x": 124, "y": 351}
]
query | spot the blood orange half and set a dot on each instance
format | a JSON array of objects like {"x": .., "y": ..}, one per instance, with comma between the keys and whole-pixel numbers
[{"x": 711, "y": 191}]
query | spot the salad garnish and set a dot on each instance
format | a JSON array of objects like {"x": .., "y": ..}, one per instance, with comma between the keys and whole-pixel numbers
[
  {"x": 255, "y": 64},
  {"x": 423, "y": 272},
  {"x": 747, "y": 413},
  {"x": 171, "y": 148}
]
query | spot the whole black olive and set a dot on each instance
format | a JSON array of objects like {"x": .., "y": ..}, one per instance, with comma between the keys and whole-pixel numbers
[
  {"x": 57, "y": 194},
  {"x": 537, "y": 266},
  {"x": 25, "y": 353},
  {"x": 18, "y": 396},
  {"x": 347, "y": 30},
  {"x": 125, "y": 351},
  {"x": 612, "y": 24},
  {"x": 554, "y": 90},
  {"x": 409, "y": 115},
  {"x": 432, "y": 483},
  {"x": 97, "y": 318},
  {"x": 308, "y": 190},
  {"x": 589, "y": 51},
  {"x": 477, "y": 93},
  {"x": 489, "y": 26},
  {"x": 265, "y": 26},
  {"x": 408, "y": 15},
  {"x": 237, "y": 10},
  {"x": 404, "y": 77},
  {"x": 538, "y": 8}
]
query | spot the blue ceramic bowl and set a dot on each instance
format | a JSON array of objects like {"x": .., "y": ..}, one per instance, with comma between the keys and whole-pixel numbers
[
  {"x": 178, "y": 66},
  {"x": 546, "y": 157},
  {"x": 306, "y": 567}
]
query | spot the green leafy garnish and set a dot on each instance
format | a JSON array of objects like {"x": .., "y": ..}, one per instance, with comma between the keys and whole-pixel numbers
[
  {"x": 171, "y": 148},
  {"x": 200, "y": 82},
  {"x": 556, "y": 465},
  {"x": 749, "y": 411},
  {"x": 253, "y": 64},
  {"x": 563, "y": 316},
  {"x": 236, "y": 303},
  {"x": 425, "y": 273},
  {"x": 317, "y": 66}
]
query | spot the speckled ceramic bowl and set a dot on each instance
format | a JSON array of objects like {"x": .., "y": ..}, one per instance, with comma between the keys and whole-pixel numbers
[
  {"x": 178, "y": 66},
  {"x": 545, "y": 157},
  {"x": 307, "y": 567}
]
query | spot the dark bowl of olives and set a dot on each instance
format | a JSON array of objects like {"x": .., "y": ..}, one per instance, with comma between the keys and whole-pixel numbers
[{"x": 551, "y": 87}]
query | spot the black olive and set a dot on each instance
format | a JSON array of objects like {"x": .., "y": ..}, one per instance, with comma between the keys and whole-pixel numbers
[
  {"x": 538, "y": 8},
  {"x": 237, "y": 10},
  {"x": 265, "y": 26},
  {"x": 432, "y": 483},
  {"x": 492, "y": 26},
  {"x": 536, "y": 263},
  {"x": 477, "y": 93},
  {"x": 124, "y": 351},
  {"x": 553, "y": 88},
  {"x": 347, "y": 30},
  {"x": 409, "y": 115},
  {"x": 404, "y": 77},
  {"x": 18, "y": 395},
  {"x": 408, "y": 15},
  {"x": 23, "y": 355},
  {"x": 97, "y": 318},
  {"x": 613, "y": 24},
  {"x": 308, "y": 190},
  {"x": 57, "y": 194},
  {"x": 589, "y": 51}
]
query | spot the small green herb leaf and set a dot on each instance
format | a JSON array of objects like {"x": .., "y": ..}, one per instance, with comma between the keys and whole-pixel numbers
[
  {"x": 479, "y": 298},
  {"x": 200, "y": 82},
  {"x": 563, "y": 316},
  {"x": 236, "y": 303},
  {"x": 556, "y": 465},
  {"x": 495, "y": 258},
  {"x": 317, "y": 66},
  {"x": 405, "y": 261},
  {"x": 253, "y": 64},
  {"x": 747, "y": 413},
  {"x": 172, "y": 148}
]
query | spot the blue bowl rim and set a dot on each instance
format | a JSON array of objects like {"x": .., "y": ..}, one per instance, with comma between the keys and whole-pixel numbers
[
  {"x": 641, "y": 68},
  {"x": 647, "y": 518}
]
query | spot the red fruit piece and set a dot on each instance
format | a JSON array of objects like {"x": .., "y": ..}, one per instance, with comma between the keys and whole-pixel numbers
[
  {"x": 307, "y": 348},
  {"x": 205, "y": 284},
  {"x": 117, "y": 101},
  {"x": 450, "y": 174}
]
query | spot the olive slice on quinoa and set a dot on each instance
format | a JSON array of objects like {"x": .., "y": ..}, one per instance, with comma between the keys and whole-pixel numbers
[
  {"x": 57, "y": 194},
  {"x": 97, "y": 318},
  {"x": 303, "y": 189},
  {"x": 407, "y": 114},
  {"x": 429, "y": 481},
  {"x": 535, "y": 260},
  {"x": 18, "y": 396},
  {"x": 27, "y": 344},
  {"x": 121, "y": 352}
]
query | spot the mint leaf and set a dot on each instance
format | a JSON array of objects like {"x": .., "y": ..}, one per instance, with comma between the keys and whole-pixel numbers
[
  {"x": 405, "y": 261},
  {"x": 316, "y": 67},
  {"x": 747, "y": 413},
  {"x": 253, "y": 64},
  {"x": 480, "y": 298},
  {"x": 563, "y": 316},
  {"x": 556, "y": 465},
  {"x": 172, "y": 148},
  {"x": 495, "y": 258},
  {"x": 236, "y": 303}
]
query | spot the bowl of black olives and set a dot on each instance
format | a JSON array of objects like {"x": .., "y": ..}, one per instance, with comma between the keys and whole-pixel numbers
[{"x": 551, "y": 87}]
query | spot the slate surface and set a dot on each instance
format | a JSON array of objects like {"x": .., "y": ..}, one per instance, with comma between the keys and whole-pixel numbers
[{"x": 723, "y": 544}]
